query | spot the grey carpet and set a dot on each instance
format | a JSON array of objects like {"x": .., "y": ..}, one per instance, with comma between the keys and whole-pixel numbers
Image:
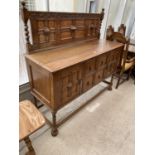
[{"x": 105, "y": 126}]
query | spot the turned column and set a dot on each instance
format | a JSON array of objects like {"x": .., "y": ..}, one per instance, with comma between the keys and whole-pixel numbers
[{"x": 54, "y": 131}]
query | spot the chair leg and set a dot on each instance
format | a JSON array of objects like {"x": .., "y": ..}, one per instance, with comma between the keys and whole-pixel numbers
[
  {"x": 129, "y": 73},
  {"x": 35, "y": 101},
  {"x": 29, "y": 146},
  {"x": 119, "y": 78},
  {"x": 54, "y": 131}
]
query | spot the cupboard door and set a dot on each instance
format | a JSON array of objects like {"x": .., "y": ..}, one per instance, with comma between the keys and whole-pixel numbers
[{"x": 71, "y": 83}]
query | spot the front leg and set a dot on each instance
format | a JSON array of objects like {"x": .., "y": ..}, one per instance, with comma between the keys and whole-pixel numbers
[
  {"x": 54, "y": 131},
  {"x": 111, "y": 82},
  {"x": 30, "y": 147}
]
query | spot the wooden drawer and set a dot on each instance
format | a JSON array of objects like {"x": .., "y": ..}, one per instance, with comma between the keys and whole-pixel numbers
[
  {"x": 71, "y": 70},
  {"x": 70, "y": 90},
  {"x": 87, "y": 82},
  {"x": 101, "y": 61},
  {"x": 114, "y": 55},
  {"x": 89, "y": 67},
  {"x": 113, "y": 61},
  {"x": 108, "y": 71},
  {"x": 98, "y": 76}
]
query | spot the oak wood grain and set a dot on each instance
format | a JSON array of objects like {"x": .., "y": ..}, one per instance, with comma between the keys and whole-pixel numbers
[
  {"x": 50, "y": 29},
  {"x": 60, "y": 58},
  {"x": 30, "y": 119}
]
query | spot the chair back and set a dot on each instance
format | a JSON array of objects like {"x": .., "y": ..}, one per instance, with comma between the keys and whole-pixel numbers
[
  {"x": 122, "y": 29},
  {"x": 119, "y": 37}
]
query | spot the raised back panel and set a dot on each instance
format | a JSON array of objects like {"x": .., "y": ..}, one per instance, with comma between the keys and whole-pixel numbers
[{"x": 50, "y": 29}]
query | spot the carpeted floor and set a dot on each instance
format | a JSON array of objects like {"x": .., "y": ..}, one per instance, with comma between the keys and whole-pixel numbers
[{"x": 105, "y": 126}]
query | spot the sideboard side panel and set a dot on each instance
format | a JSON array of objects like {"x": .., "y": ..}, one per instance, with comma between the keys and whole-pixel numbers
[{"x": 41, "y": 83}]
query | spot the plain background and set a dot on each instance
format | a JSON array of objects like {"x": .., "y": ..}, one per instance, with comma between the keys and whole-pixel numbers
[{"x": 145, "y": 77}]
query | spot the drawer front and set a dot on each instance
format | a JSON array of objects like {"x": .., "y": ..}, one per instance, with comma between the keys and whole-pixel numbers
[
  {"x": 89, "y": 67},
  {"x": 101, "y": 61},
  {"x": 98, "y": 76},
  {"x": 71, "y": 83},
  {"x": 87, "y": 82},
  {"x": 113, "y": 61},
  {"x": 71, "y": 70}
]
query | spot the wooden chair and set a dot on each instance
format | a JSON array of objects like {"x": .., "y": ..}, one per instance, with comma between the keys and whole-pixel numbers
[
  {"x": 127, "y": 64},
  {"x": 30, "y": 120}
]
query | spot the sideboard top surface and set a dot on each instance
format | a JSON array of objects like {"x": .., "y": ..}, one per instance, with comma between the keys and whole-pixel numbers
[{"x": 60, "y": 58}]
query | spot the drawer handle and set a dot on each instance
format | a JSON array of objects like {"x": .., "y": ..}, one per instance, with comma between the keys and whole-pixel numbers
[
  {"x": 87, "y": 83},
  {"x": 73, "y": 27},
  {"x": 99, "y": 77},
  {"x": 69, "y": 85},
  {"x": 92, "y": 26},
  {"x": 46, "y": 30},
  {"x": 89, "y": 68}
]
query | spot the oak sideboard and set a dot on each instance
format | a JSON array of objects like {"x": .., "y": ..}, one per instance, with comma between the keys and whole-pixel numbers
[{"x": 65, "y": 56}]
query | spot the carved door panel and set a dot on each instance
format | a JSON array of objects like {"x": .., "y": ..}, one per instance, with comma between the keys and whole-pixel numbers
[
  {"x": 113, "y": 61},
  {"x": 91, "y": 28},
  {"x": 116, "y": 58},
  {"x": 71, "y": 83},
  {"x": 101, "y": 61},
  {"x": 98, "y": 76},
  {"x": 87, "y": 82},
  {"x": 45, "y": 31},
  {"x": 79, "y": 29},
  {"x": 66, "y": 30}
]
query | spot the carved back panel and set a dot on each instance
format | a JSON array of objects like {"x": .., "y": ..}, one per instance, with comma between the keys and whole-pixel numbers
[{"x": 50, "y": 29}]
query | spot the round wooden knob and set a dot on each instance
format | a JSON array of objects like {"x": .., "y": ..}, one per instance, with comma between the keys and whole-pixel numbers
[
  {"x": 89, "y": 68},
  {"x": 69, "y": 85},
  {"x": 87, "y": 83},
  {"x": 46, "y": 30}
]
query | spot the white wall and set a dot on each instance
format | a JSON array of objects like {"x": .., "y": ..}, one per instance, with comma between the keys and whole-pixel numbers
[
  {"x": 80, "y": 5},
  {"x": 41, "y": 5},
  {"x": 116, "y": 13},
  {"x": 62, "y": 5},
  {"x": 129, "y": 16}
]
